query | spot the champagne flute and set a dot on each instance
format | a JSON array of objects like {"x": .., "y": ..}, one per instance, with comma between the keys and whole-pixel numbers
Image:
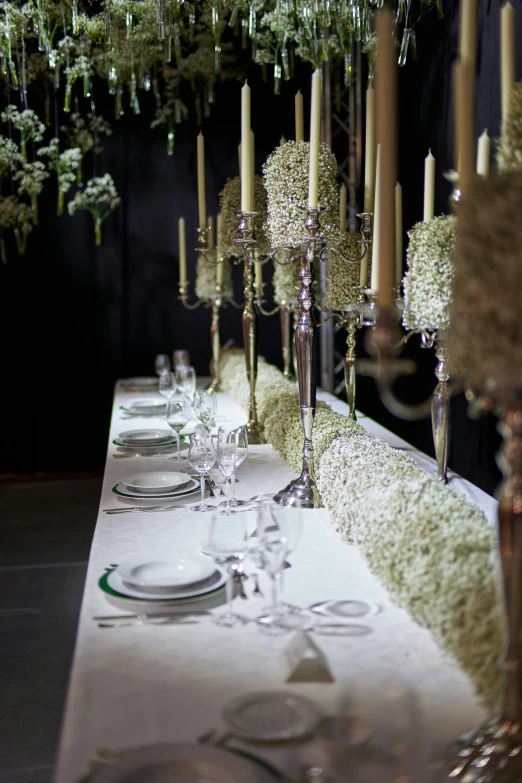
[
  {"x": 201, "y": 457},
  {"x": 178, "y": 413},
  {"x": 205, "y": 407},
  {"x": 167, "y": 384},
  {"x": 186, "y": 381},
  {"x": 226, "y": 459},
  {"x": 227, "y": 545},
  {"x": 162, "y": 363},
  {"x": 239, "y": 436}
]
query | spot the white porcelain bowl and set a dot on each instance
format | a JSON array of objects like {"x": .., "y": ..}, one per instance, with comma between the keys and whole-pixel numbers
[{"x": 155, "y": 481}]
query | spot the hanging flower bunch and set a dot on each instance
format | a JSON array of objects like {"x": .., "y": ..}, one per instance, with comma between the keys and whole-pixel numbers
[
  {"x": 27, "y": 123},
  {"x": 17, "y": 217},
  {"x": 100, "y": 198},
  {"x": 428, "y": 281},
  {"x": 31, "y": 178},
  {"x": 65, "y": 164}
]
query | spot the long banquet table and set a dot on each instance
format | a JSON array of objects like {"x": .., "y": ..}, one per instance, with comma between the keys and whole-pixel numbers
[{"x": 139, "y": 685}]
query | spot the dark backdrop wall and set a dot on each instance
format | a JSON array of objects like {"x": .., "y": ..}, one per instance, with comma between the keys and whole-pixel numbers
[{"x": 74, "y": 317}]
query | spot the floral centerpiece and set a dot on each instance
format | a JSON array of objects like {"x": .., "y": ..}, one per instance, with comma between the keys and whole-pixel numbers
[
  {"x": 206, "y": 279},
  {"x": 31, "y": 178},
  {"x": 342, "y": 278},
  {"x": 428, "y": 280},
  {"x": 100, "y": 198},
  {"x": 230, "y": 203},
  {"x": 433, "y": 549}
]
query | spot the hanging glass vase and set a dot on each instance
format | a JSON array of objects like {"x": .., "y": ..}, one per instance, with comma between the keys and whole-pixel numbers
[
  {"x": 170, "y": 141},
  {"x": 67, "y": 100},
  {"x": 403, "y": 55}
]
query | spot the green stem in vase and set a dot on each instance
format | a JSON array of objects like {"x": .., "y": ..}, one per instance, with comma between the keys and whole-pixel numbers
[
  {"x": 97, "y": 233},
  {"x": 59, "y": 211}
]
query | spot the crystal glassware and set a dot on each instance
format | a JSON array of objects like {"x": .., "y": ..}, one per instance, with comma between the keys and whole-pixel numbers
[
  {"x": 181, "y": 356},
  {"x": 186, "y": 380},
  {"x": 239, "y": 435},
  {"x": 205, "y": 407},
  {"x": 226, "y": 460},
  {"x": 162, "y": 363},
  {"x": 227, "y": 545},
  {"x": 178, "y": 414},
  {"x": 202, "y": 457},
  {"x": 279, "y": 531},
  {"x": 167, "y": 384}
]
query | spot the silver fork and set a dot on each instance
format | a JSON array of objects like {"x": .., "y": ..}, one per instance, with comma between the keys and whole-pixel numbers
[{"x": 131, "y": 509}]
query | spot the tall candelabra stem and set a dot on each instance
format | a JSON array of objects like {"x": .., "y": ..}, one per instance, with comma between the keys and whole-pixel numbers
[
  {"x": 440, "y": 409},
  {"x": 303, "y": 490},
  {"x": 215, "y": 337},
  {"x": 250, "y": 335},
  {"x": 349, "y": 364},
  {"x": 493, "y": 752},
  {"x": 286, "y": 340}
]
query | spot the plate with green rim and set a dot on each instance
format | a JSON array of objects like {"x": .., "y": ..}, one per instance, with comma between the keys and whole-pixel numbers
[{"x": 104, "y": 585}]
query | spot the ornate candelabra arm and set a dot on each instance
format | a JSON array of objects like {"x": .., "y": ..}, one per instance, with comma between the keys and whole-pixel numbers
[
  {"x": 440, "y": 409},
  {"x": 258, "y": 300},
  {"x": 351, "y": 323},
  {"x": 493, "y": 751},
  {"x": 184, "y": 295},
  {"x": 286, "y": 339},
  {"x": 215, "y": 340},
  {"x": 366, "y": 242},
  {"x": 250, "y": 334},
  {"x": 303, "y": 490}
]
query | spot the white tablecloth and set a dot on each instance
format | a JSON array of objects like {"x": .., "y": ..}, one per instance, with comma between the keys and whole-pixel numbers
[{"x": 134, "y": 686}]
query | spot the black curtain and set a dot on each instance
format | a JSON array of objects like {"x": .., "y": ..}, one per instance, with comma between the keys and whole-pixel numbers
[{"x": 74, "y": 317}]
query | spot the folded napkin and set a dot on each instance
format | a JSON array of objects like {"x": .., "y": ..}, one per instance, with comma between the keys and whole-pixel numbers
[{"x": 304, "y": 661}]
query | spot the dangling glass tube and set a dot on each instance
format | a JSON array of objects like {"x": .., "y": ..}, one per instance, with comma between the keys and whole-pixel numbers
[
  {"x": 67, "y": 100},
  {"x": 107, "y": 17},
  {"x": 217, "y": 58},
  {"x": 211, "y": 95},
  {"x": 348, "y": 69},
  {"x": 119, "y": 101},
  {"x": 170, "y": 141},
  {"x": 168, "y": 48},
  {"x": 133, "y": 92},
  {"x": 177, "y": 44},
  {"x": 401, "y": 11},
  {"x": 403, "y": 55},
  {"x": 57, "y": 78},
  {"x": 128, "y": 24},
  {"x": 277, "y": 79},
  {"x": 244, "y": 32},
  {"x": 192, "y": 26},
  {"x": 161, "y": 19},
  {"x": 356, "y": 23},
  {"x": 440, "y": 10},
  {"x": 284, "y": 61},
  {"x": 113, "y": 80},
  {"x": 86, "y": 86},
  {"x": 145, "y": 81}
]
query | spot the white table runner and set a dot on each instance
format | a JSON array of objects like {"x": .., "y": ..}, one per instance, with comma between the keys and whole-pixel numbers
[{"x": 135, "y": 686}]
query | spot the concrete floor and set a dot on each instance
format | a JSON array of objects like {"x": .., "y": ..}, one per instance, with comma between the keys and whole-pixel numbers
[{"x": 46, "y": 529}]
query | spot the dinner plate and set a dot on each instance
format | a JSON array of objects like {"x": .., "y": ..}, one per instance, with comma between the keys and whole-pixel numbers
[
  {"x": 271, "y": 716},
  {"x": 156, "y": 481},
  {"x": 163, "y": 446},
  {"x": 161, "y": 572},
  {"x": 183, "y": 763},
  {"x": 148, "y": 405},
  {"x": 140, "y": 384},
  {"x": 216, "y": 580},
  {"x": 153, "y": 604},
  {"x": 145, "y": 437},
  {"x": 190, "y": 488}
]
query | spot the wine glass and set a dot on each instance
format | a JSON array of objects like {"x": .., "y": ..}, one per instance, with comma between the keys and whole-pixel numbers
[
  {"x": 279, "y": 531},
  {"x": 201, "y": 457},
  {"x": 162, "y": 363},
  {"x": 205, "y": 407},
  {"x": 181, "y": 356},
  {"x": 239, "y": 435},
  {"x": 178, "y": 414},
  {"x": 167, "y": 384},
  {"x": 186, "y": 380},
  {"x": 227, "y": 544},
  {"x": 226, "y": 460}
]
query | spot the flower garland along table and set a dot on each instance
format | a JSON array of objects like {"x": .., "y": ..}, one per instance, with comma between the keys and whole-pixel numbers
[
  {"x": 136, "y": 686},
  {"x": 432, "y": 548}
]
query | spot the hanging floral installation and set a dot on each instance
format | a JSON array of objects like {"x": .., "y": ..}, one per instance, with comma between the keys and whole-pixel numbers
[{"x": 54, "y": 54}]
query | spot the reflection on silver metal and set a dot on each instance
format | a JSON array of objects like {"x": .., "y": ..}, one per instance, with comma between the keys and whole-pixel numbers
[
  {"x": 493, "y": 753},
  {"x": 215, "y": 337},
  {"x": 440, "y": 409},
  {"x": 304, "y": 489},
  {"x": 453, "y": 177},
  {"x": 351, "y": 323},
  {"x": 249, "y": 244},
  {"x": 250, "y": 335},
  {"x": 286, "y": 339},
  {"x": 366, "y": 241}
]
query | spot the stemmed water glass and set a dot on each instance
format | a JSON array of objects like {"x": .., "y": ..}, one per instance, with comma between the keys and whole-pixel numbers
[
  {"x": 279, "y": 531},
  {"x": 226, "y": 460},
  {"x": 162, "y": 363},
  {"x": 239, "y": 436},
  {"x": 205, "y": 408},
  {"x": 178, "y": 414},
  {"x": 227, "y": 545},
  {"x": 186, "y": 380},
  {"x": 167, "y": 384},
  {"x": 202, "y": 456}
]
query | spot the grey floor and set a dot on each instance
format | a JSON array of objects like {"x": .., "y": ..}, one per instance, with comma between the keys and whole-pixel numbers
[{"x": 45, "y": 534}]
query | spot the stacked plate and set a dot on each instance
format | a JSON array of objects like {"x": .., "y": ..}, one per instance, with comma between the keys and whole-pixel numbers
[
  {"x": 140, "y": 384},
  {"x": 146, "y": 440},
  {"x": 156, "y": 484},
  {"x": 146, "y": 408},
  {"x": 160, "y": 579}
]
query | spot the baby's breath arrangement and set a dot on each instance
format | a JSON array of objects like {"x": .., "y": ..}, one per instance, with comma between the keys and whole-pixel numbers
[
  {"x": 31, "y": 178},
  {"x": 428, "y": 280},
  {"x": 100, "y": 198},
  {"x": 206, "y": 279},
  {"x": 65, "y": 164},
  {"x": 17, "y": 217},
  {"x": 342, "y": 278},
  {"x": 27, "y": 123},
  {"x": 10, "y": 157},
  {"x": 433, "y": 549},
  {"x": 285, "y": 174},
  {"x": 230, "y": 201},
  {"x": 509, "y": 145}
]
